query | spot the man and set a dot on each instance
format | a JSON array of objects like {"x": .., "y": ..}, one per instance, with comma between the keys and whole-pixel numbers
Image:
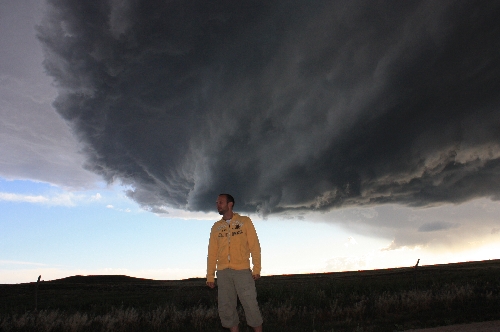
[{"x": 232, "y": 240}]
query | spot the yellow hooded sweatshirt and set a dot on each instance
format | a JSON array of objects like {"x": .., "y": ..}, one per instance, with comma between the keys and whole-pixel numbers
[{"x": 230, "y": 246}]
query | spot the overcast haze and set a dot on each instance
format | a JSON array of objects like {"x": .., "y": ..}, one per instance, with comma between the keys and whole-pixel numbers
[
  {"x": 35, "y": 143},
  {"x": 362, "y": 124}
]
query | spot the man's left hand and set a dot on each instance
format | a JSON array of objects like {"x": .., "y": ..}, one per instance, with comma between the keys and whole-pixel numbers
[{"x": 256, "y": 276}]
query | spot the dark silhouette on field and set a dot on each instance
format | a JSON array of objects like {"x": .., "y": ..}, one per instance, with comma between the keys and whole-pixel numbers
[{"x": 378, "y": 300}]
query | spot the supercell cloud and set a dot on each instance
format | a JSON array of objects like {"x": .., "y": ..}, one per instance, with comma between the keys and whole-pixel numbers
[{"x": 284, "y": 104}]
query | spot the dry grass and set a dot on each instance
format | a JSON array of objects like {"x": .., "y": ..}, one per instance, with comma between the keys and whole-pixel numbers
[
  {"x": 385, "y": 300},
  {"x": 202, "y": 318},
  {"x": 118, "y": 319}
]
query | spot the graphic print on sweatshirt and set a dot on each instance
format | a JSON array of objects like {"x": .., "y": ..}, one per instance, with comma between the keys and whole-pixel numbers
[{"x": 235, "y": 227}]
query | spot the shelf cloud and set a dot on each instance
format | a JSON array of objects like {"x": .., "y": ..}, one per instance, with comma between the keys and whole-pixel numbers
[
  {"x": 286, "y": 105},
  {"x": 437, "y": 226}
]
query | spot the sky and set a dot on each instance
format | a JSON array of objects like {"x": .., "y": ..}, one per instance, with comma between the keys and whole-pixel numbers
[{"x": 356, "y": 135}]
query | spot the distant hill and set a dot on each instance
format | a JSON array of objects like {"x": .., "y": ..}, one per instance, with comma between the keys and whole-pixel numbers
[
  {"x": 123, "y": 279},
  {"x": 100, "y": 279}
]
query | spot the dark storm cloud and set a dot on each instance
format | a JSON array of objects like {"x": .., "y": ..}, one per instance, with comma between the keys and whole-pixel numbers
[
  {"x": 284, "y": 104},
  {"x": 437, "y": 226}
]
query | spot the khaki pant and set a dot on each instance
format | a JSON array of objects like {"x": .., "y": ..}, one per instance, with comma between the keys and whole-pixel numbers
[{"x": 232, "y": 284}]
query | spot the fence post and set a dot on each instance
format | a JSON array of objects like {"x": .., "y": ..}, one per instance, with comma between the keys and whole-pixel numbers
[
  {"x": 36, "y": 293},
  {"x": 415, "y": 273}
]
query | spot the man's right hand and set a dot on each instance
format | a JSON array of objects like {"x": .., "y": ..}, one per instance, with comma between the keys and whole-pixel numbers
[{"x": 211, "y": 284}]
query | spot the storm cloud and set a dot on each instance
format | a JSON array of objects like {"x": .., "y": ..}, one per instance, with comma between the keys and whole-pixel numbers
[
  {"x": 437, "y": 226},
  {"x": 288, "y": 105}
]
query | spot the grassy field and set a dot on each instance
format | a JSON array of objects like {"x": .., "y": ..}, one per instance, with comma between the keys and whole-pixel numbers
[{"x": 379, "y": 300}]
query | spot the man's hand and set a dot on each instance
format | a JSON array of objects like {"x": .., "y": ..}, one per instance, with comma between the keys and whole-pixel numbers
[
  {"x": 256, "y": 276},
  {"x": 211, "y": 284}
]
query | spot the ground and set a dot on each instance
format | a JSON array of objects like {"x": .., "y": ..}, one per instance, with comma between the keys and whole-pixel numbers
[{"x": 492, "y": 326}]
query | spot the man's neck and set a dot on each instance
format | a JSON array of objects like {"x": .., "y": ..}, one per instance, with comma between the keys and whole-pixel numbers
[{"x": 228, "y": 215}]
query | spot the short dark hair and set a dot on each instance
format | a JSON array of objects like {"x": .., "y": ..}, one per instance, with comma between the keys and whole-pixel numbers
[{"x": 229, "y": 198}]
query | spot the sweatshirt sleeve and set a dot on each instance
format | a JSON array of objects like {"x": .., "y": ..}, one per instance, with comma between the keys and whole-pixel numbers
[
  {"x": 254, "y": 246},
  {"x": 212, "y": 256}
]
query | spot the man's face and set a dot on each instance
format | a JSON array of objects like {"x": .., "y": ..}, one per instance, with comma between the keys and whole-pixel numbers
[{"x": 222, "y": 206}]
